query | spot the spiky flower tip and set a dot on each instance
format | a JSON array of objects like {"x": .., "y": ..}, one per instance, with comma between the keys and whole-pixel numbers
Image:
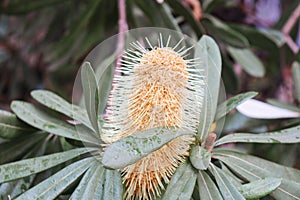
[{"x": 158, "y": 87}]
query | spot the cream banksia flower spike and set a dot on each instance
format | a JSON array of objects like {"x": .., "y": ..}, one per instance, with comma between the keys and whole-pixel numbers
[{"x": 158, "y": 87}]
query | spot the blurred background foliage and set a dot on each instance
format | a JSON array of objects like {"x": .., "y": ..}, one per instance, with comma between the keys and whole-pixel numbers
[{"x": 43, "y": 43}]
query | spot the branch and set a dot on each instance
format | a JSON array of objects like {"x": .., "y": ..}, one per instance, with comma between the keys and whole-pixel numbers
[
  {"x": 288, "y": 27},
  {"x": 123, "y": 27}
]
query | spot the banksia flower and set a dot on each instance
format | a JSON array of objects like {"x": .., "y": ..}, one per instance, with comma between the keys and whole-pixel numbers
[{"x": 158, "y": 87}]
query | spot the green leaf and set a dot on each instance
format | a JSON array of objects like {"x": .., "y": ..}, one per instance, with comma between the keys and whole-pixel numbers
[
  {"x": 211, "y": 5},
  {"x": 57, "y": 183},
  {"x": 228, "y": 190},
  {"x": 255, "y": 37},
  {"x": 182, "y": 183},
  {"x": 11, "y": 126},
  {"x": 237, "y": 181},
  {"x": 229, "y": 77},
  {"x": 181, "y": 9},
  {"x": 16, "y": 148},
  {"x": 130, "y": 149},
  {"x": 224, "y": 33},
  {"x": 284, "y": 105},
  {"x": 25, "y": 6},
  {"x": 99, "y": 183},
  {"x": 207, "y": 188},
  {"x": 57, "y": 103},
  {"x": 288, "y": 190},
  {"x": 238, "y": 121},
  {"x": 76, "y": 34},
  {"x": 296, "y": 79},
  {"x": 104, "y": 74},
  {"x": 289, "y": 135},
  {"x": 23, "y": 168},
  {"x": 253, "y": 168},
  {"x": 233, "y": 102},
  {"x": 260, "y": 188},
  {"x": 276, "y": 36},
  {"x": 91, "y": 94},
  {"x": 248, "y": 60},
  {"x": 41, "y": 120},
  {"x": 113, "y": 188},
  {"x": 200, "y": 157},
  {"x": 15, "y": 188},
  {"x": 209, "y": 54},
  {"x": 168, "y": 18},
  {"x": 91, "y": 185},
  {"x": 159, "y": 14}
]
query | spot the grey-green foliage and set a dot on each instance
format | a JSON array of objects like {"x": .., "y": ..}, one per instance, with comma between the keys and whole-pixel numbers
[
  {"x": 132, "y": 148},
  {"x": 11, "y": 127},
  {"x": 229, "y": 175},
  {"x": 91, "y": 94},
  {"x": 209, "y": 54},
  {"x": 57, "y": 103},
  {"x": 182, "y": 183},
  {"x": 200, "y": 157}
]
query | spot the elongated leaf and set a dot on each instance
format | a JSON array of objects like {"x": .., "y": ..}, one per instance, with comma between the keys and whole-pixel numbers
[
  {"x": 210, "y": 55},
  {"x": 30, "y": 166},
  {"x": 15, "y": 188},
  {"x": 237, "y": 121},
  {"x": 41, "y": 120},
  {"x": 229, "y": 77},
  {"x": 88, "y": 187},
  {"x": 22, "y": 7},
  {"x": 113, "y": 188},
  {"x": 91, "y": 185},
  {"x": 91, "y": 94},
  {"x": 200, "y": 157},
  {"x": 287, "y": 190},
  {"x": 60, "y": 105},
  {"x": 276, "y": 36},
  {"x": 182, "y": 183},
  {"x": 15, "y": 149},
  {"x": 296, "y": 79},
  {"x": 104, "y": 74},
  {"x": 260, "y": 110},
  {"x": 54, "y": 185},
  {"x": 255, "y": 37},
  {"x": 11, "y": 126},
  {"x": 248, "y": 60},
  {"x": 178, "y": 7},
  {"x": 77, "y": 31},
  {"x": 168, "y": 18},
  {"x": 253, "y": 168},
  {"x": 260, "y": 188},
  {"x": 207, "y": 188},
  {"x": 211, "y": 5},
  {"x": 132, "y": 148},
  {"x": 283, "y": 105},
  {"x": 290, "y": 135},
  {"x": 230, "y": 175},
  {"x": 233, "y": 102},
  {"x": 224, "y": 33},
  {"x": 159, "y": 14},
  {"x": 227, "y": 189}
]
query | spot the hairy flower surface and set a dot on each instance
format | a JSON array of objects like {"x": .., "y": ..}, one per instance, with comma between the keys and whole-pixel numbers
[{"x": 157, "y": 88}]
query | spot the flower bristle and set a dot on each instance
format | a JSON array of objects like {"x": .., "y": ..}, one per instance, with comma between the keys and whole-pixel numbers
[{"x": 157, "y": 88}]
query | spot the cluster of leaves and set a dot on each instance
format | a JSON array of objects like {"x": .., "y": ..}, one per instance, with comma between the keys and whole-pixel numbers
[
  {"x": 63, "y": 160},
  {"x": 54, "y": 161},
  {"x": 53, "y": 36}
]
